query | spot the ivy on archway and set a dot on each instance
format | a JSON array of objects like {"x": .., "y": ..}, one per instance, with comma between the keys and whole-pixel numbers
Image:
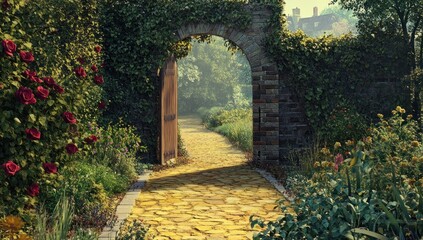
[{"x": 140, "y": 34}]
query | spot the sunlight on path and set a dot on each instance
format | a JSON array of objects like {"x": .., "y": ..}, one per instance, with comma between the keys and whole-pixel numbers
[{"x": 210, "y": 198}]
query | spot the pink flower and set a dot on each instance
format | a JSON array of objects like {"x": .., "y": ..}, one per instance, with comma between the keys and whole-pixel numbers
[
  {"x": 339, "y": 159},
  {"x": 10, "y": 168}
]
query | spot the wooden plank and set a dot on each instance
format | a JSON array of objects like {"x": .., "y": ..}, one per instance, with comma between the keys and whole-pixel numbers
[{"x": 169, "y": 111}]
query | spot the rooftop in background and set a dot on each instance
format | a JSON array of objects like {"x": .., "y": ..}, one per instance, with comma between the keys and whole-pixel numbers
[
  {"x": 306, "y": 6},
  {"x": 313, "y": 26}
]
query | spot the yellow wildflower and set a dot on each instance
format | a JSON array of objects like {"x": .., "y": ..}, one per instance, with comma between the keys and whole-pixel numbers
[
  {"x": 400, "y": 109},
  {"x": 380, "y": 115},
  {"x": 11, "y": 224},
  {"x": 316, "y": 164},
  {"x": 394, "y": 112},
  {"x": 414, "y": 159},
  {"x": 337, "y": 145},
  {"x": 349, "y": 143},
  {"x": 403, "y": 164},
  {"x": 369, "y": 139},
  {"x": 325, "y": 151},
  {"x": 353, "y": 161},
  {"x": 24, "y": 236},
  {"x": 415, "y": 144},
  {"x": 409, "y": 116}
]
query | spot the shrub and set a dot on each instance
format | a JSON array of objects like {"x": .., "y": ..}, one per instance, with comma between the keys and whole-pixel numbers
[
  {"x": 119, "y": 146},
  {"x": 89, "y": 185},
  {"x": 343, "y": 123},
  {"x": 375, "y": 191},
  {"x": 134, "y": 229}
]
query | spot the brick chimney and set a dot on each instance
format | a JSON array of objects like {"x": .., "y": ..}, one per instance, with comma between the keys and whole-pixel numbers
[{"x": 315, "y": 12}]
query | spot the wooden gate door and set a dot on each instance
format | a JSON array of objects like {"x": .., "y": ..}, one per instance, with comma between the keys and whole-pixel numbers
[{"x": 169, "y": 111}]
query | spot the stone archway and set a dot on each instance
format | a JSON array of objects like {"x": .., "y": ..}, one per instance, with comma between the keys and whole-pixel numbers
[
  {"x": 265, "y": 80},
  {"x": 278, "y": 119}
]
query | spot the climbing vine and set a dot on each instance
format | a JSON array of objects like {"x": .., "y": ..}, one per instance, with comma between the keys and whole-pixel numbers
[{"x": 140, "y": 35}]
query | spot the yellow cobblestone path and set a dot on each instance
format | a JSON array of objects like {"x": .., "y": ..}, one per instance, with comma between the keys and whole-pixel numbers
[{"x": 210, "y": 198}]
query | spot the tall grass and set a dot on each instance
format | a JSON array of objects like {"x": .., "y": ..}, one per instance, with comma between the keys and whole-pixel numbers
[
  {"x": 235, "y": 124},
  {"x": 59, "y": 224},
  {"x": 239, "y": 132}
]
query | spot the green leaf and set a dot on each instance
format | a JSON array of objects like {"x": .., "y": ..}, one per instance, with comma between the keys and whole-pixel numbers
[
  {"x": 17, "y": 120},
  {"x": 43, "y": 121},
  {"x": 369, "y": 233},
  {"x": 32, "y": 118}
]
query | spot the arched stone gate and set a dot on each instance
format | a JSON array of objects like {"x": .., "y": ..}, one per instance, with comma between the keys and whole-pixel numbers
[{"x": 278, "y": 119}]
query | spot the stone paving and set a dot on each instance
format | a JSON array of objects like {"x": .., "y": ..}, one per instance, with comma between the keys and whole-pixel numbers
[{"x": 210, "y": 198}]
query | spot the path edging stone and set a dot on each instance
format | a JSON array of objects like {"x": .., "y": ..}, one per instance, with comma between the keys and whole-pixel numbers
[
  {"x": 276, "y": 184},
  {"x": 124, "y": 209}
]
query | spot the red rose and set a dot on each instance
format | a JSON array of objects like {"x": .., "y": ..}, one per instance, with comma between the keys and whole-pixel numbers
[
  {"x": 81, "y": 60},
  {"x": 102, "y": 105},
  {"x": 91, "y": 139},
  {"x": 9, "y": 47},
  {"x": 94, "y": 68},
  {"x": 69, "y": 118},
  {"x": 32, "y": 76},
  {"x": 33, "y": 190},
  {"x": 71, "y": 148},
  {"x": 98, "y": 80},
  {"x": 26, "y": 56},
  {"x": 58, "y": 89},
  {"x": 25, "y": 96},
  {"x": 42, "y": 93},
  {"x": 49, "y": 81},
  {"x": 80, "y": 72},
  {"x": 33, "y": 133},
  {"x": 10, "y": 168},
  {"x": 50, "y": 168},
  {"x": 97, "y": 49}
]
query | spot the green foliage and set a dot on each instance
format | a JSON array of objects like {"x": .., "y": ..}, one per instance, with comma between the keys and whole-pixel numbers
[
  {"x": 212, "y": 76},
  {"x": 117, "y": 148},
  {"x": 339, "y": 70},
  {"x": 134, "y": 229},
  {"x": 344, "y": 123},
  {"x": 376, "y": 191},
  {"x": 395, "y": 17}
]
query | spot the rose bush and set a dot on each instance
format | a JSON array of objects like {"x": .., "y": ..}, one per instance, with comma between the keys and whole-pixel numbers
[{"x": 43, "y": 104}]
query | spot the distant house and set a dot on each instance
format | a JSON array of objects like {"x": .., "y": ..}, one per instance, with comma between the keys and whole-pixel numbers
[{"x": 313, "y": 26}]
